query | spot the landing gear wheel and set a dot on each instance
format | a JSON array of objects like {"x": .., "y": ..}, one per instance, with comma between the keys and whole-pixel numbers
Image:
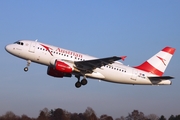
[
  {"x": 84, "y": 82},
  {"x": 78, "y": 84},
  {"x": 28, "y": 63},
  {"x": 26, "y": 69}
]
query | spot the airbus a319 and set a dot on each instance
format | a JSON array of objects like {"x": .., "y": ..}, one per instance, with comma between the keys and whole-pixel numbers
[{"x": 66, "y": 63}]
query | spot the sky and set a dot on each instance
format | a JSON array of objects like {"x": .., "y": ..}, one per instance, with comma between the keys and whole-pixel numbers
[{"x": 103, "y": 28}]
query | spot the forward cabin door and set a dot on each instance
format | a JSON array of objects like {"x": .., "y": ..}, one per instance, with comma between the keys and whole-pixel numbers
[
  {"x": 32, "y": 47},
  {"x": 134, "y": 74}
]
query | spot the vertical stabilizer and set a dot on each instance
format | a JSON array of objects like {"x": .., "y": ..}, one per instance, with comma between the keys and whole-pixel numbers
[{"x": 158, "y": 63}]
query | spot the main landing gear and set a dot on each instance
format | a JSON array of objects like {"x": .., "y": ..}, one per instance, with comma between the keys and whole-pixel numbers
[
  {"x": 26, "y": 68},
  {"x": 82, "y": 82}
]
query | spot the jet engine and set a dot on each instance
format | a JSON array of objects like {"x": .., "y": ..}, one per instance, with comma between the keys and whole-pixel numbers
[
  {"x": 59, "y": 68},
  {"x": 52, "y": 72},
  {"x": 62, "y": 66}
]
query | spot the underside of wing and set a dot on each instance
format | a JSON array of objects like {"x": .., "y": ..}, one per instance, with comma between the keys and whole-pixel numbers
[{"x": 89, "y": 65}]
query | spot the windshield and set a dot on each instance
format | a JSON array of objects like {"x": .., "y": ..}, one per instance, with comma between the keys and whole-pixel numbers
[{"x": 19, "y": 43}]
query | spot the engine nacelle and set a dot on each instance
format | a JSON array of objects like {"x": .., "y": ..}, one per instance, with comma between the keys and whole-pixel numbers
[
  {"x": 55, "y": 73},
  {"x": 62, "y": 67},
  {"x": 52, "y": 72}
]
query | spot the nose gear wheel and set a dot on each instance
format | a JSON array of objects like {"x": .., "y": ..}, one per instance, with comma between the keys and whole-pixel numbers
[{"x": 28, "y": 64}]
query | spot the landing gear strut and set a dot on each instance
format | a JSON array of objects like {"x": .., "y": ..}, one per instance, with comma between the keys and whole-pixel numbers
[
  {"x": 82, "y": 82},
  {"x": 26, "y": 68}
]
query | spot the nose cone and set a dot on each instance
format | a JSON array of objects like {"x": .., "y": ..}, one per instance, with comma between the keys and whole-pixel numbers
[{"x": 8, "y": 48}]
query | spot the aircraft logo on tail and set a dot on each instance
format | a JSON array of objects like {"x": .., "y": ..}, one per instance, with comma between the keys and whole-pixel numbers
[{"x": 163, "y": 60}]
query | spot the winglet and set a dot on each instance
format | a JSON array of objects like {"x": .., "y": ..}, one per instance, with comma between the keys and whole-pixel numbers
[{"x": 123, "y": 57}]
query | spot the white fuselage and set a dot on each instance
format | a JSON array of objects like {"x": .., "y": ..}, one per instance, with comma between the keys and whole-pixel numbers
[{"x": 117, "y": 72}]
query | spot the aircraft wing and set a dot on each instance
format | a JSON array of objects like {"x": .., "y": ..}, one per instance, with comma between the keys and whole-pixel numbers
[{"x": 89, "y": 65}]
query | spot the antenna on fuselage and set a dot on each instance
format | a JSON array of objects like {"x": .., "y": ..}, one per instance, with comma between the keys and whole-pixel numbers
[{"x": 36, "y": 40}]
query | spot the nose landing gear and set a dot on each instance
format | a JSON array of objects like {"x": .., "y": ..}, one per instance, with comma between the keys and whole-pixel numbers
[
  {"x": 28, "y": 64},
  {"x": 82, "y": 82}
]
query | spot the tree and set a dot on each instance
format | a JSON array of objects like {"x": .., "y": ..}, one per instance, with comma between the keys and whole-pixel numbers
[
  {"x": 46, "y": 112},
  {"x": 105, "y": 117},
  {"x": 153, "y": 117},
  {"x": 90, "y": 114},
  {"x": 171, "y": 117},
  {"x": 162, "y": 117},
  {"x": 42, "y": 116},
  {"x": 136, "y": 115},
  {"x": 81, "y": 116},
  {"x": 9, "y": 116},
  {"x": 58, "y": 114},
  {"x": 25, "y": 117},
  {"x": 177, "y": 117}
]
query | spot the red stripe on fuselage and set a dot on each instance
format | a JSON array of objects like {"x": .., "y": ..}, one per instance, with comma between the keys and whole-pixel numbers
[
  {"x": 169, "y": 50},
  {"x": 149, "y": 68}
]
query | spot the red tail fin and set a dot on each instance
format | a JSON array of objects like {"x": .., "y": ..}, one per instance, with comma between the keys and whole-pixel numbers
[{"x": 158, "y": 63}]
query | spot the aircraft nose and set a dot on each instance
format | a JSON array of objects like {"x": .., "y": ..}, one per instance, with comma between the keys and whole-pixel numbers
[{"x": 7, "y": 48}]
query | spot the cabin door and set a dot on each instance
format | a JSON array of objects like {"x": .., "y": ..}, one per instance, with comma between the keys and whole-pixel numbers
[
  {"x": 32, "y": 47},
  {"x": 134, "y": 74}
]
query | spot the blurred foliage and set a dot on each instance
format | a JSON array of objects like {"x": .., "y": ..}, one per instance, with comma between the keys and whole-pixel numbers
[{"x": 89, "y": 114}]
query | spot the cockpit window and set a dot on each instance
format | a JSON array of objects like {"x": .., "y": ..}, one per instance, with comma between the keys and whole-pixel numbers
[{"x": 19, "y": 43}]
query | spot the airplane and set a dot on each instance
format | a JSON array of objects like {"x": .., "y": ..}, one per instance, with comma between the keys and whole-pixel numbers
[{"x": 66, "y": 63}]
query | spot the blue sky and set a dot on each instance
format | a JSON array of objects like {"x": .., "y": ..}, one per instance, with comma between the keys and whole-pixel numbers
[{"x": 103, "y": 28}]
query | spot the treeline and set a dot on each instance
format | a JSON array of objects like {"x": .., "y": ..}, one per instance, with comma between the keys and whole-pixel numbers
[{"x": 89, "y": 114}]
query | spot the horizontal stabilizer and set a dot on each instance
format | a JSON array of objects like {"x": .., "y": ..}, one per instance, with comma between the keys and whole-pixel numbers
[{"x": 160, "y": 78}]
